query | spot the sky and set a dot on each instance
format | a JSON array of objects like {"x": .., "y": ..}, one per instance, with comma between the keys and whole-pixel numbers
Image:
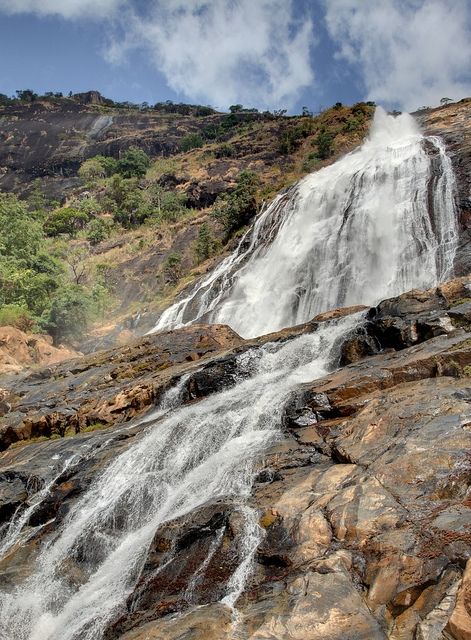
[{"x": 269, "y": 54}]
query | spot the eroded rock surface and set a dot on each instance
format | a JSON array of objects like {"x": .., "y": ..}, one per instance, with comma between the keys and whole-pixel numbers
[{"x": 363, "y": 502}]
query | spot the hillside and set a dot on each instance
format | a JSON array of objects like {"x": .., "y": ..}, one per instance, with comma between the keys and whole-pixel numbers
[{"x": 140, "y": 241}]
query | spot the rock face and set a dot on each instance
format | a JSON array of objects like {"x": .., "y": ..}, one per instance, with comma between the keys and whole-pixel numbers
[
  {"x": 453, "y": 124},
  {"x": 364, "y": 502},
  {"x": 19, "y": 350}
]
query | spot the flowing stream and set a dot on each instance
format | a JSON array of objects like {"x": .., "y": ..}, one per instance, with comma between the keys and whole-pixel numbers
[
  {"x": 378, "y": 222},
  {"x": 189, "y": 456}
]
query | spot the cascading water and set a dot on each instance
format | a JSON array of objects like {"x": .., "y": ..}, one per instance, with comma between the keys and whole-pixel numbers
[
  {"x": 191, "y": 455},
  {"x": 378, "y": 222}
]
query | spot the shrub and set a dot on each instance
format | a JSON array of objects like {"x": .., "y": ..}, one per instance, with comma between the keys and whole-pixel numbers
[
  {"x": 352, "y": 124},
  {"x": 15, "y": 315},
  {"x": 234, "y": 210},
  {"x": 20, "y": 236},
  {"x": 70, "y": 314},
  {"x": 91, "y": 170},
  {"x": 65, "y": 220},
  {"x": 134, "y": 163},
  {"x": 98, "y": 230},
  {"x": 324, "y": 144},
  {"x": 204, "y": 246},
  {"x": 191, "y": 141},
  {"x": 225, "y": 151},
  {"x": 172, "y": 267},
  {"x": 291, "y": 137}
]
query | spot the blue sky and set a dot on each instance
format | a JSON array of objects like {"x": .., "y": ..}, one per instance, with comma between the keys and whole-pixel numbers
[{"x": 265, "y": 53}]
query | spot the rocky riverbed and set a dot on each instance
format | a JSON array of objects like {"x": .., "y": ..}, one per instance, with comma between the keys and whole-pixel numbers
[{"x": 363, "y": 503}]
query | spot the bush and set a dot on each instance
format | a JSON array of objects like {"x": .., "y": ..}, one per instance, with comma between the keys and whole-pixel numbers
[
  {"x": 20, "y": 236},
  {"x": 167, "y": 206},
  {"x": 91, "y": 170},
  {"x": 70, "y": 314},
  {"x": 324, "y": 144},
  {"x": 15, "y": 315},
  {"x": 212, "y": 132},
  {"x": 65, "y": 220},
  {"x": 204, "y": 247},
  {"x": 225, "y": 151},
  {"x": 290, "y": 138},
  {"x": 172, "y": 267},
  {"x": 98, "y": 230},
  {"x": 134, "y": 163},
  {"x": 234, "y": 210},
  {"x": 191, "y": 141},
  {"x": 352, "y": 124}
]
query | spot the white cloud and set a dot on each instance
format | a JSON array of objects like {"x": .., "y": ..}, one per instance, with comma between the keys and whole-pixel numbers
[
  {"x": 63, "y": 8},
  {"x": 410, "y": 52},
  {"x": 225, "y": 51}
]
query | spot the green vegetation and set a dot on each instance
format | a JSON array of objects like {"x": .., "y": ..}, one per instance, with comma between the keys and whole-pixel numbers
[
  {"x": 234, "y": 210},
  {"x": 172, "y": 267},
  {"x": 65, "y": 220},
  {"x": 15, "y": 315},
  {"x": 44, "y": 284},
  {"x": 134, "y": 163},
  {"x": 205, "y": 244},
  {"x": 50, "y": 276},
  {"x": 191, "y": 141},
  {"x": 324, "y": 144}
]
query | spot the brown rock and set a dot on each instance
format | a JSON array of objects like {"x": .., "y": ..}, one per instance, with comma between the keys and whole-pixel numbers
[{"x": 459, "y": 624}]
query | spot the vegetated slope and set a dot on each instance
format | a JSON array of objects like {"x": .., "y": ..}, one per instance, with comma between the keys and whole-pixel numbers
[{"x": 143, "y": 235}]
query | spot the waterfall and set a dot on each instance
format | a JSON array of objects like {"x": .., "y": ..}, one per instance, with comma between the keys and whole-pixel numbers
[
  {"x": 378, "y": 222},
  {"x": 186, "y": 457}
]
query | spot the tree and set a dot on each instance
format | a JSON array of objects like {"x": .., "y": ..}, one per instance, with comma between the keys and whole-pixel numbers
[
  {"x": 324, "y": 144},
  {"x": 76, "y": 258},
  {"x": 172, "y": 267},
  {"x": 306, "y": 113},
  {"x": 205, "y": 243},
  {"x": 20, "y": 236},
  {"x": 234, "y": 210},
  {"x": 70, "y": 314},
  {"x": 134, "y": 163},
  {"x": 98, "y": 230},
  {"x": 191, "y": 141},
  {"x": 236, "y": 108},
  {"x": 169, "y": 205},
  {"x": 65, "y": 220},
  {"x": 91, "y": 170},
  {"x": 445, "y": 101},
  {"x": 26, "y": 95}
]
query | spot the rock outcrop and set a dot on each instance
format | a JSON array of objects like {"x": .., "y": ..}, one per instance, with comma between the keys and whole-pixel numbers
[
  {"x": 19, "y": 350},
  {"x": 364, "y": 502}
]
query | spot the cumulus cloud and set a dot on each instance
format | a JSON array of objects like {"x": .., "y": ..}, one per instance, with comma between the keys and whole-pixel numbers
[
  {"x": 410, "y": 52},
  {"x": 64, "y": 8},
  {"x": 224, "y": 51}
]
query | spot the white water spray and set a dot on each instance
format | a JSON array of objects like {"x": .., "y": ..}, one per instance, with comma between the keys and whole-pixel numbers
[{"x": 378, "y": 222}]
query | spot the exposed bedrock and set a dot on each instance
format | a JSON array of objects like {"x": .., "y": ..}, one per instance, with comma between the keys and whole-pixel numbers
[{"x": 363, "y": 502}]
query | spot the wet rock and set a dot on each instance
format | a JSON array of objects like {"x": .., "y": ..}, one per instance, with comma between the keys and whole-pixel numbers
[
  {"x": 359, "y": 344},
  {"x": 13, "y": 493},
  {"x": 363, "y": 501}
]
